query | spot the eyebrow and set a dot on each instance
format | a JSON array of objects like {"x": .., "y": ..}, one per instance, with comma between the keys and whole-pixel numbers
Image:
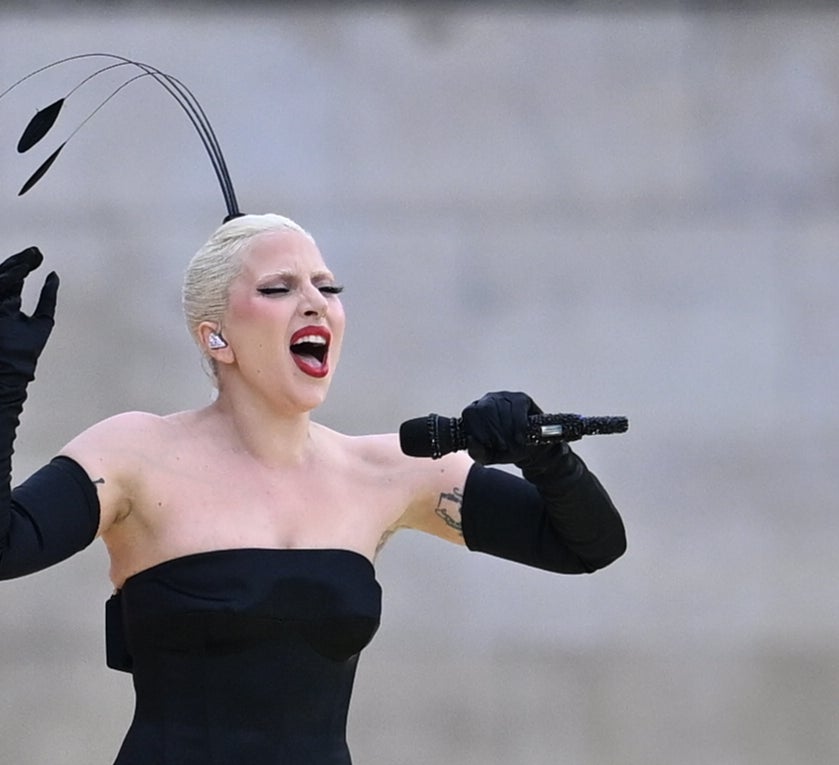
[{"x": 289, "y": 274}]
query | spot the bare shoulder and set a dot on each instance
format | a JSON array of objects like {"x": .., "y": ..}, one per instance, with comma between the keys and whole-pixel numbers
[
  {"x": 379, "y": 449},
  {"x": 128, "y": 431},
  {"x": 383, "y": 451},
  {"x": 433, "y": 488},
  {"x": 114, "y": 452}
]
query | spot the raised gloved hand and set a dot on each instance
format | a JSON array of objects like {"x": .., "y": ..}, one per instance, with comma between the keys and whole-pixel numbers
[
  {"x": 22, "y": 337},
  {"x": 55, "y": 512}
]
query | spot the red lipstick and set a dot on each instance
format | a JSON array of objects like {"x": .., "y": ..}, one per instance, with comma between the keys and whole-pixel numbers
[{"x": 310, "y": 350}]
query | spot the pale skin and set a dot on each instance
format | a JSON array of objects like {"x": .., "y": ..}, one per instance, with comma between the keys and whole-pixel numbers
[{"x": 252, "y": 469}]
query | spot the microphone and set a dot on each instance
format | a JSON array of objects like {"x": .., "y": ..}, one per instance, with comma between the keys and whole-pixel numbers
[{"x": 433, "y": 436}]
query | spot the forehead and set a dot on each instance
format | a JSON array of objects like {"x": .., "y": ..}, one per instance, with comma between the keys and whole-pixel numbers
[{"x": 283, "y": 250}]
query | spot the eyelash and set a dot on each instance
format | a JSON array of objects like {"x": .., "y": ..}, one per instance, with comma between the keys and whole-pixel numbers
[{"x": 332, "y": 289}]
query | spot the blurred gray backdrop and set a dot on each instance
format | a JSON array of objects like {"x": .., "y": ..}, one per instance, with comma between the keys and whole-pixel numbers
[{"x": 620, "y": 211}]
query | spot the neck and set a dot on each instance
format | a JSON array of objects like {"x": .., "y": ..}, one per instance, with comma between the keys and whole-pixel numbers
[{"x": 273, "y": 437}]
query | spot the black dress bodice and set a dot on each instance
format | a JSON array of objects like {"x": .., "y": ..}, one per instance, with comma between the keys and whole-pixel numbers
[{"x": 245, "y": 655}]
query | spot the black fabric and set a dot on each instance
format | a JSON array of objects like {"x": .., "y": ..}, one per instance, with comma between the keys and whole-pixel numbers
[
  {"x": 576, "y": 503},
  {"x": 51, "y": 516},
  {"x": 22, "y": 338},
  {"x": 244, "y": 655},
  {"x": 46, "y": 519},
  {"x": 496, "y": 427},
  {"x": 577, "y": 531}
]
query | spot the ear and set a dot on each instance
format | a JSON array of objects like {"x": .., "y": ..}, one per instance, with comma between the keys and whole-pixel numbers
[{"x": 223, "y": 354}]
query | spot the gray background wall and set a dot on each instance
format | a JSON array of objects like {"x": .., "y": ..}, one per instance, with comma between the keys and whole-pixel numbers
[{"x": 629, "y": 212}]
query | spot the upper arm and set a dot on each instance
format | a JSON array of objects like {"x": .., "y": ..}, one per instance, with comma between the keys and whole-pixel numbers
[
  {"x": 437, "y": 496},
  {"x": 105, "y": 452}
]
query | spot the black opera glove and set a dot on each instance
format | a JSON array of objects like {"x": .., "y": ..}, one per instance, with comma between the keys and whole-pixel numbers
[
  {"x": 22, "y": 337},
  {"x": 55, "y": 512},
  {"x": 497, "y": 424},
  {"x": 574, "y": 503}
]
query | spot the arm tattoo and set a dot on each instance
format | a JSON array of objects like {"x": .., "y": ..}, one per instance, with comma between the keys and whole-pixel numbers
[
  {"x": 448, "y": 508},
  {"x": 387, "y": 535}
]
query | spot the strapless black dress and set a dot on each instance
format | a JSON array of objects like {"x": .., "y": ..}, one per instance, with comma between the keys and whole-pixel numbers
[{"x": 243, "y": 657}]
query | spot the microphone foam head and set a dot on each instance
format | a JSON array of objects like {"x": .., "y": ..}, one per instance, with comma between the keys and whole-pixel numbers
[
  {"x": 414, "y": 438},
  {"x": 431, "y": 436}
]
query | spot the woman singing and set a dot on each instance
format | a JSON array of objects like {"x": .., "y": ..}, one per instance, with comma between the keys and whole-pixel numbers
[{"x": 242, "y": 535}]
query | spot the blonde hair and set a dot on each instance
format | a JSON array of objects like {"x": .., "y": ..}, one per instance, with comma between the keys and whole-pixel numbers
[{"x": 212, "y": 269}]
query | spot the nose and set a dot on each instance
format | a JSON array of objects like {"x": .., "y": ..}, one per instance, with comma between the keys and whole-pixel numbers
[{"x": 314, "y": 303}]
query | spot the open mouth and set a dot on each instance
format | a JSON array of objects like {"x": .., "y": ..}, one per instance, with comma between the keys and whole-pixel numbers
[{"x": 310, "y": 350}]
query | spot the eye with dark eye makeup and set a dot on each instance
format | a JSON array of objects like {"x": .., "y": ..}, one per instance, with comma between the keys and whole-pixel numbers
[{"x": 326, "y": 289}]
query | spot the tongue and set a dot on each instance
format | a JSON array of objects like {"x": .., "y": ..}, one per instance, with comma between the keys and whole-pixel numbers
[{"x": 311, "y": 365}]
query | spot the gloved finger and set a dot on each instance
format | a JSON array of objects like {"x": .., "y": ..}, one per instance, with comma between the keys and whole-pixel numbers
[
  {"x": 520, "y": 406},
  {"x": 15, "y": 268},
  {"x": 478, "y": 435},
  {"x": 483, "y": 422},
  {"x": 505, "y": 408},
  {"x": 478, "y": 452},
  {"x": 46, "y": 302},
  {"x": 511, "y": 423}
]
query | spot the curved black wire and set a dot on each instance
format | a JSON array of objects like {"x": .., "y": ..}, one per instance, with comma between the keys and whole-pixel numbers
[{"x": 183, "y": 97}]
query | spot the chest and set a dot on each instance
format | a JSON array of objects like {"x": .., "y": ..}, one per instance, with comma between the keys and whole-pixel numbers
[{"x": 185, "y": 503}]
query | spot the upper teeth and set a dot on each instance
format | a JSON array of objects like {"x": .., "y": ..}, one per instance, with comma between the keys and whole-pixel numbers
[{"x": 314, "y": 339}]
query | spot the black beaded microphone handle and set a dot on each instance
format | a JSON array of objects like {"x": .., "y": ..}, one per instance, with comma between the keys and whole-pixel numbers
[{"x": 544, "y": 428}]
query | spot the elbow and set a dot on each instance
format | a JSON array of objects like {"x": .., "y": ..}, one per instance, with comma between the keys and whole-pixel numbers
[
  {"x": 610, "y": 550},
  {"x": 615, "y": 549}
]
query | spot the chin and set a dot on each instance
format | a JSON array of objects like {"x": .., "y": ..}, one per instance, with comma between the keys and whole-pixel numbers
[{"x": 314, "y": 397}]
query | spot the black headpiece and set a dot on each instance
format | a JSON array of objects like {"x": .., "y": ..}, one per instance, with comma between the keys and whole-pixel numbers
[{"x": 45, "y": 118}]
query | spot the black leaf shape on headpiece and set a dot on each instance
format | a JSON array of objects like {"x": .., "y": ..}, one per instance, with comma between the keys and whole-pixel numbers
[
  {"x": 39, "y": 126},
  {"x": 41, "y": 171},
  {"x": 44, "y": 120}
]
